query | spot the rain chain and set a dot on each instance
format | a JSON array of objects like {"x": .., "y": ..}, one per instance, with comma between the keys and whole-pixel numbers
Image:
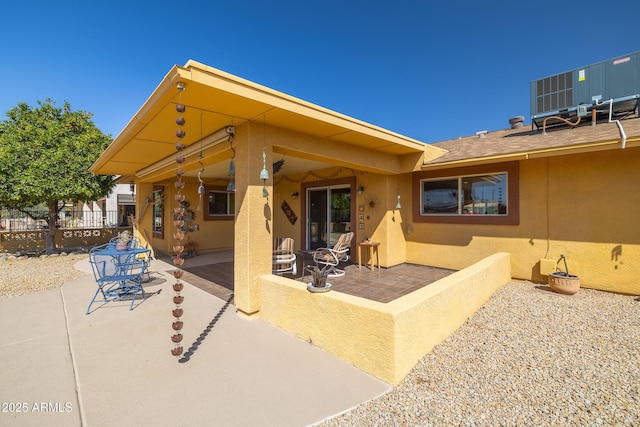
[{"x": 178, "y": 222}]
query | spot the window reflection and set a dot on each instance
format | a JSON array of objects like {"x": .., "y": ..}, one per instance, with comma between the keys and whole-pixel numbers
[{"x": 465, "y": 195}]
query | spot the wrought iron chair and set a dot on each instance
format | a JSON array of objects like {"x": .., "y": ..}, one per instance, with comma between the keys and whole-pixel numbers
[
  {"x": 331, "y": 257},
  {"x": 284, "y": 259},
  {"x": 114, "y": 276},
  {"x": 142, "y": 260}
]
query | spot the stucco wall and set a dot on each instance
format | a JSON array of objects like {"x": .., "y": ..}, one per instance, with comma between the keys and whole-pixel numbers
[
  {"x": 211, "y": 236},
  {"x": 386, "y": 340},
  {"x": 584, "y": 206}
]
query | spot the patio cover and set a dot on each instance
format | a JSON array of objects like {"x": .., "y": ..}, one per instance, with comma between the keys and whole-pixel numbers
[{"x": 215, "y": 99}]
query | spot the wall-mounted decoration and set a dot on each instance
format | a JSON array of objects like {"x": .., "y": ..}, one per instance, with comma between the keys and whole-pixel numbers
[
  {"x": 187, "y": 215},
  {"x": 289, "y": 212}
]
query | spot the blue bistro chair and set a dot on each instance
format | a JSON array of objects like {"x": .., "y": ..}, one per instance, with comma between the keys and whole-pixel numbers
[
  {"x": 114, "y": 275},
  {"x": 142, "y": 259}
]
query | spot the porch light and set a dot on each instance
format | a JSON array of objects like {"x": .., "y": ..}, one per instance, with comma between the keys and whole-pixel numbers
[
  {"x": 398, "y": 206},
  {"x": 360, "y": 190},
  {"x": 295, "y": 195},
  {"x": 132, "y": 188}
]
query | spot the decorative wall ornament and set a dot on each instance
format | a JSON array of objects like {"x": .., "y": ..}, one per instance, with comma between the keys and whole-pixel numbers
[
  {"x": 277, "y": 165},
  {"x": 291, "y": 216},
  {"x": 178, "y": 222}
]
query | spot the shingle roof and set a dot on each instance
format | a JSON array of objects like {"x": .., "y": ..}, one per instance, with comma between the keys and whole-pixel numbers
[{"x": 508, "y": 142}]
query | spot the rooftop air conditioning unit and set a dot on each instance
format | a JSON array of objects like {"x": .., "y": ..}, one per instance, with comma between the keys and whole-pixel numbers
[{"x": 576, "y": 93}]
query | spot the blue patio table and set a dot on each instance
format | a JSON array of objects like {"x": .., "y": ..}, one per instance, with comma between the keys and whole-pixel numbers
[{"x": 113, "y": 271}]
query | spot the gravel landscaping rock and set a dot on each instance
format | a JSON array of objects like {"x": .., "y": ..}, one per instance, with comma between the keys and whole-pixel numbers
[
  {"x": 529, "y": 357},
  {"x": 22, "y": 274}
]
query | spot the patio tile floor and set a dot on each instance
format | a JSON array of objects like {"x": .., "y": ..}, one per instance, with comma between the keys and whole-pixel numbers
[{"x": 382, "y": 285}]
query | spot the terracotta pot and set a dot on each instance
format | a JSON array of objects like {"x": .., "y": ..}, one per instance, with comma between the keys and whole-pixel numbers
[
  {"x": 178, "y": 287},
  {"x": 178, "y": 299},
  {"x": 564, "y": 284},
  {"x": 177, "y": 351},
  {"x": 176, "y": 338}
]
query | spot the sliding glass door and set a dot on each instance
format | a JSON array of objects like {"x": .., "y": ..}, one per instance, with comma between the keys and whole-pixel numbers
[{"x": 329, "y": 215}]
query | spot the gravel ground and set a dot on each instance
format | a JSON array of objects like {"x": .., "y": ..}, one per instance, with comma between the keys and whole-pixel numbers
[
  {"x": 24, "y": 275},
  {"x": 529, "y": 357}
]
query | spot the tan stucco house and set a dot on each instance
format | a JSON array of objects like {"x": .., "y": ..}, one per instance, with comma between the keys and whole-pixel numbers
[{"x": 497, "y": 206}]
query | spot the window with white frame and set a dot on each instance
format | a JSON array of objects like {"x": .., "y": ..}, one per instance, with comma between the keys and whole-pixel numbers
[{"x": 483, "y": 194}]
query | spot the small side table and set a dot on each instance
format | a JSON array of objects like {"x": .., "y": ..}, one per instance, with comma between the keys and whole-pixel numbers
[{"x": 373, "y": 246}]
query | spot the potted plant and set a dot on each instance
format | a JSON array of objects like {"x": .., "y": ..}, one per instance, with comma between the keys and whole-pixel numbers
[
  {"x": 124, "y": 237},
  {"x": 191, "y": 248},
  {"x": 562, "y": 282},
  {"x": 318, "y": 279}
]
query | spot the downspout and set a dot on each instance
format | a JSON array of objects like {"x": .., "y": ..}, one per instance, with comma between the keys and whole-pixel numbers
[{"x": 620, "y": 129}]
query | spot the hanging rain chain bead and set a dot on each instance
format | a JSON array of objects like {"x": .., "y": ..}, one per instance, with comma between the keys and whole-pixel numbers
[{"x": 178, "y": 222}]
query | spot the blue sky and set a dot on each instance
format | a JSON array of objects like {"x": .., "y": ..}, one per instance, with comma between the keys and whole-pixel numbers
[{"x": 425, "y": 69}]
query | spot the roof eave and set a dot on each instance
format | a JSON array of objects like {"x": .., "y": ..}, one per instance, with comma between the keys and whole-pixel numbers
[{"x": 533, "y": 154}]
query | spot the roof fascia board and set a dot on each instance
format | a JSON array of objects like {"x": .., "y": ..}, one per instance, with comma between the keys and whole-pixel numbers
[{"x": 189, "y": 153}]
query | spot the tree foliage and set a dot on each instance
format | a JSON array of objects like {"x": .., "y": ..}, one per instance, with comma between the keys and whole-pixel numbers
[{"x": 45, "y": 156}]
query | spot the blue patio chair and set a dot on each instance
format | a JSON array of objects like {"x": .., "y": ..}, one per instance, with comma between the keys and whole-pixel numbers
[
  {"x": 114, "y": 275},
  {"x": 142, "y": 260}
]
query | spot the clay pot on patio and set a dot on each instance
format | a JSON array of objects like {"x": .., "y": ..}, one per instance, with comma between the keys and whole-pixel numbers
[
  {"x": 178, "y": 287},
  {"x": 176, "y": 351},
  {"x": 564, "y": 283}
]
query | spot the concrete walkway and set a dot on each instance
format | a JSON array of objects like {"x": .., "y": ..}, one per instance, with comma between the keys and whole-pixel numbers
[{"x": 113, "y": 367}]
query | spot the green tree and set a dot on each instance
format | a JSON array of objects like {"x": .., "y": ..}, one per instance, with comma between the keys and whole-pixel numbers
[{"x": 45, "y": 155}]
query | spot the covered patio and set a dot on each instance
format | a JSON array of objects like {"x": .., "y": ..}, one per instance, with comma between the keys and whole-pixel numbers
[
  {"x": 251, "y": 160},
  {"x": 213, "y": 273}
]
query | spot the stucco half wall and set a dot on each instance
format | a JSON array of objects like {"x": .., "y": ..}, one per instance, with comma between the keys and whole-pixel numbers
[{"x": 386, "y": 340}]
